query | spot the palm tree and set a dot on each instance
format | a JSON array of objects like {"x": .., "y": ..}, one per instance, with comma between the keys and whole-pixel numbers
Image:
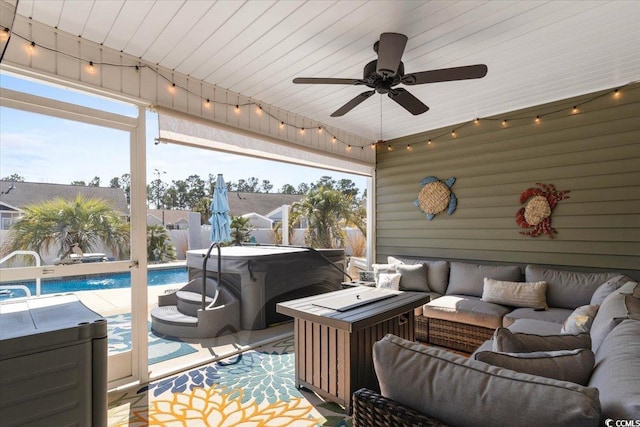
[
  {"x": 62, "y": 224},
  {"x": 327, "y": 212},
  {"x": 159, "y": 247},
  {"x": 240, "y": 229}
]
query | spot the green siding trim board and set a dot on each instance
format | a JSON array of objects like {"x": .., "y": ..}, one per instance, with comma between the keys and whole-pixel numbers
[{"x": 595, "y": 154}]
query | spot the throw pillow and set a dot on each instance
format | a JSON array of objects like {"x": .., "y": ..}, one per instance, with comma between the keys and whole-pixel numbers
[
  {"x": 413, "y": 277},
  {"x": 515, "y": 294},
  {"x": 465, "y": 392},
  {"x": 382, "y": 268},
  {"x": 566, "y": 365},
  {"x": 580, "y": 320},
  {"x": 606, "y": 288},
  {"x": 509, "y": 342},
  {"x": 389, "y": 281}
]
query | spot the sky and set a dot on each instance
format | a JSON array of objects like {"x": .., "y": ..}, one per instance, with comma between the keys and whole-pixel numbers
[{"x": 46, "y": 149}]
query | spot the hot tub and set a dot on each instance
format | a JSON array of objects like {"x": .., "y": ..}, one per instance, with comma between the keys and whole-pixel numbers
[{"x": 262, "y": 276}]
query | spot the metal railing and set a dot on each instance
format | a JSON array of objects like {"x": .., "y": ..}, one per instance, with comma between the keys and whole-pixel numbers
[{"x": 38, "y": 263}]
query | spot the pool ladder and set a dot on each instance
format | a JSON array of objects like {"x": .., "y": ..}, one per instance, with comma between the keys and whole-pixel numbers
[{"x": 22, "y": 287}]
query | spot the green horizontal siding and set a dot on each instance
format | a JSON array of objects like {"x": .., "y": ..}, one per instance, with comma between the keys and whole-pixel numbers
[{"x": 595, "y": 154}]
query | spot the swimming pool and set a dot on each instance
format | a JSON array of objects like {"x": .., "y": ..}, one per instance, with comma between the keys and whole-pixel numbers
[{"x": 155, "y": 277}]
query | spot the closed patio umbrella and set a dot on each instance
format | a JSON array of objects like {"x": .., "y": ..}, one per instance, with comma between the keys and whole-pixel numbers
[
  {"x": 220, "y": 232},
  {"x": 220, "y": 222}
]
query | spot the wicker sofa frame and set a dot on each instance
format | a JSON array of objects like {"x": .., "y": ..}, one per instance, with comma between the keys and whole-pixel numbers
[
  {"x": 450, "y": 334},
  {"x": 371, "y": 409}
]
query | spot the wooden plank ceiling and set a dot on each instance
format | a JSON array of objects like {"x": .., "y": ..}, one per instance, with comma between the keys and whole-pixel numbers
[{"x": 536, "y": 51}]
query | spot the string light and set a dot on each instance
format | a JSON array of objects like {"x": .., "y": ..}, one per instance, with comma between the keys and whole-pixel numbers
[
  {"x": 389, "y": 148},
  {"x": 31, "y": 48},
  {"x": 91, "y": 68},
  {"x": 537, "y": 119},
  {"x": 207, "y": 103},
  {"x": 259, "y": 110},
  {"x": 409, "y": 148},
  {"x": 373, "y": 145}
]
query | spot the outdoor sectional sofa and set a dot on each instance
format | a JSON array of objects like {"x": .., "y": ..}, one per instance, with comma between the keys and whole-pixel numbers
[{"x": 506, "y": 315}]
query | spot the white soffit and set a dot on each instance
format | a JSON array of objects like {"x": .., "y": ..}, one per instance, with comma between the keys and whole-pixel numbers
[{"x": 182, "y": 129}]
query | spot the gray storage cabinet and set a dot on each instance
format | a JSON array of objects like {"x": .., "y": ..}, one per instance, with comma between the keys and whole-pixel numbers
[{"x": 53, "y": 363}]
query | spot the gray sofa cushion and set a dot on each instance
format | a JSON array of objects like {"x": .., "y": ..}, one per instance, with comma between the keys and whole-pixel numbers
[
  {"x": 466, "y": 309},
  {"x": 413, "y": 277},
  {"x": 557, "y": 315},
  {"x": 566, "y": 365},
  {"x": 466, "y": 392},
  {"x": 533, "y": 326},
  {"x": 567, "y": 289},
  {"x": 606, "y": 288},
  {"x": 612, "y": 311},
  {"x": 468, "y": 279},
  {"x": 617, "y": 372},
  {"x": 437, "y": 271},
  {"x": 509, "y": 342}
]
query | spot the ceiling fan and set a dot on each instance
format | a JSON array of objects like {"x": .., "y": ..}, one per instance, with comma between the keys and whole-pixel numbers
[{"x": 383, "y": 74}]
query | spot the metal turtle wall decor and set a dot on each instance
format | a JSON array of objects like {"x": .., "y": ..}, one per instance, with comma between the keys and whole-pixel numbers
[
  {"x": 539, "y": 206},
  {"x": 436, "y": 196}
]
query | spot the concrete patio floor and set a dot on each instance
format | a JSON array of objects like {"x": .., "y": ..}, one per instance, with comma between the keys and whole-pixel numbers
[{"x": 117, "y": 301}]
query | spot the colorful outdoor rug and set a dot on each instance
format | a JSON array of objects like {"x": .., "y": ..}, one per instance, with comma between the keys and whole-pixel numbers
[
  {"x": 255, "y": 388},
  {"x": 161, "y": 347}
]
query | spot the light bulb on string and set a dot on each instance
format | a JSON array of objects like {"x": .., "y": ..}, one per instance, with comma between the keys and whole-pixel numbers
[
  {"x": 319, "y": 129},
  {"x": 4, "y": 35},
  {"x": 616, "y": 93},
  {"x": 31, "y": 48},
  {"x": 301, "y": 131},
  {"x": 281, "y": 125},
  {"x": 259, "y": 110},
  {"x": 333, "y": 140},
  {"x": 237, "y": 109},
  {"x": 207, "y": 103},
  {"x": 172, "y": 88},
  {"x": 574, "y": 110},
  {"x": 91, "y": 69},
  {"x": 537, "y": 120},
  {"x": 504, "y": 122}
]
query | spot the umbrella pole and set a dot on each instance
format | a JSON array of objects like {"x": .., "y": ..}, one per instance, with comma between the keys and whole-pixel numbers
[{"x": 204, "y": 271}]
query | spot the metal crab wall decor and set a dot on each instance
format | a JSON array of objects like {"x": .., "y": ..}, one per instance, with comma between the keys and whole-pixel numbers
[{"x": 536, "y": 213}]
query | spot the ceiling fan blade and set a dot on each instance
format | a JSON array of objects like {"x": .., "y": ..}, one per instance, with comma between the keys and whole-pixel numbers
[
  {"x": 352, "y": 104},
  {"x": 409, "y": 102},
  {"x": 446, "y": 74},
  {"x": 326, "y": 81},
  {"x": 390, "y": 49}
]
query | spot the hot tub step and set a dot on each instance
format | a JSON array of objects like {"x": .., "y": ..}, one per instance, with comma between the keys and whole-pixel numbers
[
  {"x": 190, "y": 302},
  {"x": 168, "y": 320}
]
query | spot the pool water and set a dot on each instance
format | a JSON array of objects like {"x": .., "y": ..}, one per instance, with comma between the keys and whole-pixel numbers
[{"x": 155, "y": 277}]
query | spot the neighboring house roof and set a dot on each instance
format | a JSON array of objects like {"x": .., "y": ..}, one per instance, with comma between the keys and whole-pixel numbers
[
  {"x": 170, "y": 216},
  {"x": 260, "y": 203},
  {"x": 28, "y": 193}
]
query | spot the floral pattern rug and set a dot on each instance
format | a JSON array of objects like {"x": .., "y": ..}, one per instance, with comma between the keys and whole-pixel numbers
[
  {"x": 161, "y": 347},
  {"x": 255, "y": 388}
]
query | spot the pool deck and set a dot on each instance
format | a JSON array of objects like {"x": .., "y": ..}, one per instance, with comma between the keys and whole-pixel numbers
[{"x": 110, "y": 302}]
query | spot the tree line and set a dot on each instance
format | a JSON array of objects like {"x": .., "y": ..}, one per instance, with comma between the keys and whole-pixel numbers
[{"x": 195, "y": 193}]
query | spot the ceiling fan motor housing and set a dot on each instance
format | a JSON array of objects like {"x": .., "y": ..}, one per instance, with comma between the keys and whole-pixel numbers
[{"x": 380, "y": 83}]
